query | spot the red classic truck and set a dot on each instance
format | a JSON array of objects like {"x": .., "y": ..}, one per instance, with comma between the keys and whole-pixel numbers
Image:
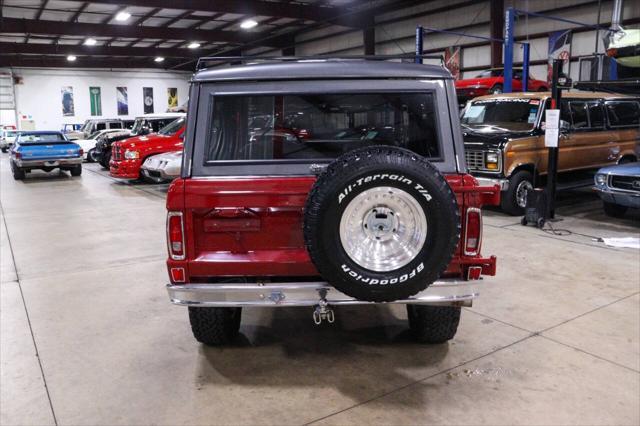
[
  {"x": 128, "y": 155},
  {"x": 373, "y": 204}
]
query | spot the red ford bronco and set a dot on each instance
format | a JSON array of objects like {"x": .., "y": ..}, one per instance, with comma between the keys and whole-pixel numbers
[{"x": 371, "y": 203}]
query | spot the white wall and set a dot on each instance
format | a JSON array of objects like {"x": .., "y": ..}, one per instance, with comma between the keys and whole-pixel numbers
[{"x": 39, "y": 96}]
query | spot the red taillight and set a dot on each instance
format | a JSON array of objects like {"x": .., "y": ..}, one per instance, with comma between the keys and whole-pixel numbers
[
  {"x": 81, "y": 152},
  {"x": 18, "y": 155},
  {"x": 473, "y": 231},
  {"x": 175, "y": 235}
]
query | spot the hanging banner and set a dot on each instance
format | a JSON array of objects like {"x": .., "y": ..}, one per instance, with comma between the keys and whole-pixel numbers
[
  {"x": 95, "y": 97},
  {"x": 172, "y": 97},
  {"x": 453, "y": 60},
  {"x": 123, "y": 100},
  {"x": 147, "y": 99},
  {"x": 559, "y": 48},
  {"x": 67, "y": 101}
]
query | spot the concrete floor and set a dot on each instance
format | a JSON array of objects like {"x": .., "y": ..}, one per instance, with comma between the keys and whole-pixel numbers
[{"x": 88, "y": 335}]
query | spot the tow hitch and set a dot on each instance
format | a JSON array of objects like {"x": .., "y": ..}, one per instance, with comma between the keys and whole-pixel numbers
[{"x": 323, "y": 311}]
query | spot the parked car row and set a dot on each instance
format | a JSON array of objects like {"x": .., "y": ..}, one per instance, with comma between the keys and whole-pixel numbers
[{"x": 144, "y": 125}]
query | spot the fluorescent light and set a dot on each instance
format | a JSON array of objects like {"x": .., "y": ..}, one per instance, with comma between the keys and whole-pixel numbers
[
  {"x": 90, "y": 42},
  {"x": 123, "y": 16},
  {"x": 193, "y": 45},
  {"x": 71, "y": 58},
  {"x": 248, "y": 23},
  {"x": 159, "y": 59}
]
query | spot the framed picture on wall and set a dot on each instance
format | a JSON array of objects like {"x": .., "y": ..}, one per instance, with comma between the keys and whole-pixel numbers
[
  {"x": 95, "y": 97},
  {"x": 123, "y": 100},
  {"x": 68, "y": 108},
  {"x": 147, "y": 99},
  {"x": 172, "y": 97}
]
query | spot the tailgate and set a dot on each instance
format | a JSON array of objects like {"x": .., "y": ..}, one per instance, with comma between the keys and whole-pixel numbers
[
  {"x": 49, "y": 151},
  {"x": 239, "y": 226}
]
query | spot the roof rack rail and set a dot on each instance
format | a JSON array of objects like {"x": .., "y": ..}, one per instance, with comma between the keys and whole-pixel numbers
[{"x": 206, "y": 61}]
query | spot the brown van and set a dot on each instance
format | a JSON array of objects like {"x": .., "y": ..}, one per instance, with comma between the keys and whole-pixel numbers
[{"x": 504, "y": 137}]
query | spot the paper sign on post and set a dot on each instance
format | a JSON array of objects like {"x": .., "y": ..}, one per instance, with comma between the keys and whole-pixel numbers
[
  {"x": 551, "y": 128},
  {"x": 551, "y": 138}
]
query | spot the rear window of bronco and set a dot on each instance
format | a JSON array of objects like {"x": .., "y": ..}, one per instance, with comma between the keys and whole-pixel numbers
[{"x": 318, "y": 127}]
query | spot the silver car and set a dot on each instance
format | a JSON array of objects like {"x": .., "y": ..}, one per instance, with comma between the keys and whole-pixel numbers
[
  {"x": 162, "y": 167},
  {"x": 7, "y": 138}
]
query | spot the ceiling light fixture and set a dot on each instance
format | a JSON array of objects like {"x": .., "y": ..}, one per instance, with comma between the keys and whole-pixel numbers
[
  {"x": 71, "y": 58},
  {"x": 123, "y": 16},
  {"x": 159, "y": 59},
  {"x": 248, "y": 24},
  {"x": 90, "y": 42},
  {"x": 193, "y": 45}
]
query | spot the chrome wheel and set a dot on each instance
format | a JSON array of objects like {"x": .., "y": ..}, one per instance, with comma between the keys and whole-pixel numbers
[
  {"x": 383, "y": 229},
  {"x": 521, "y": 193}
]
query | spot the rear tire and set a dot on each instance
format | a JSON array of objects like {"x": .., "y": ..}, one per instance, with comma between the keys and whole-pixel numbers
[
  {"x": 105, "y": 159},
  {"x": 614, "y": 210},
  {"x": 512, "y": 200},
  {"x": 215, "y": 326},
  {"x": 497, "y": 88},
  {"x": 76, "y": 171},
  {"x": 433, "y": 324},
  {"x": 4, "y": 150},
  {"x": 90, "y": 155},
  {"x": 18, "y": 173}
]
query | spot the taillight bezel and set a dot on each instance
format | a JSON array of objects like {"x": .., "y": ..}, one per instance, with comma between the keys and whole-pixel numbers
[
  {"x": 465, "y": 250},
  {"x": 172, "y": 255}
]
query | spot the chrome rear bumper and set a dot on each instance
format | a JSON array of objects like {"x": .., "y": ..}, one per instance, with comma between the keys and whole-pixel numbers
[
  {"x": 483, "y": 181},
  {"x": 57, "y": 162},
  {"x": 442, "y": 292}
]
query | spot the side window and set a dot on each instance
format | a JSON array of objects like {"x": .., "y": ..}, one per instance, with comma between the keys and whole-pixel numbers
[
  {"x": 101, "y": 126},
  {"x": 579, "y": 115},
  {"x": 115, "y": 125},
  {"x": 623, "y": 113},
  {"x": 596, "y": 115},
  {"x": 517, "y": 74}
]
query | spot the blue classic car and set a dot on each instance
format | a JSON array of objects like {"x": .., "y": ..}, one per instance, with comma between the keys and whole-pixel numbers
[
  {"x": 45, "y": 150},
  {"x": 619, "y": 188}
]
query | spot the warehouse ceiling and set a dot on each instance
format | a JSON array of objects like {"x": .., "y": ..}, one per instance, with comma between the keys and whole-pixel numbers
[{"x": 154, "y": 33}]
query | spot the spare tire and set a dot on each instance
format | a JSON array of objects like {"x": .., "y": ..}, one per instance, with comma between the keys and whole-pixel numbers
[{"x": 381, "y": 224}]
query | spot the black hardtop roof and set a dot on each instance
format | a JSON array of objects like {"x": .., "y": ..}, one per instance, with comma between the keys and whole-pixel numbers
[{"x": 323, "y": 70}]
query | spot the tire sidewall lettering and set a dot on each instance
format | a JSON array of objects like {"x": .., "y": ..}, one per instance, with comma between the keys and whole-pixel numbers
[
  {"x": 407, "y": 181},
  {"x": 362, "y": 278}
]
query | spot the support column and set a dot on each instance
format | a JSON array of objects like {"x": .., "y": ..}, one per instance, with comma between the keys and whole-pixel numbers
[
  {"x": 508, "y": 49},
  {"x": 497, "y": 28},
  {"x": 369, "y": 39}
]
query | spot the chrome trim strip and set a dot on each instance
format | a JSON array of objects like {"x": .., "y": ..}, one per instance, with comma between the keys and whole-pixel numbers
[{"x": 445, "y": 291}]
